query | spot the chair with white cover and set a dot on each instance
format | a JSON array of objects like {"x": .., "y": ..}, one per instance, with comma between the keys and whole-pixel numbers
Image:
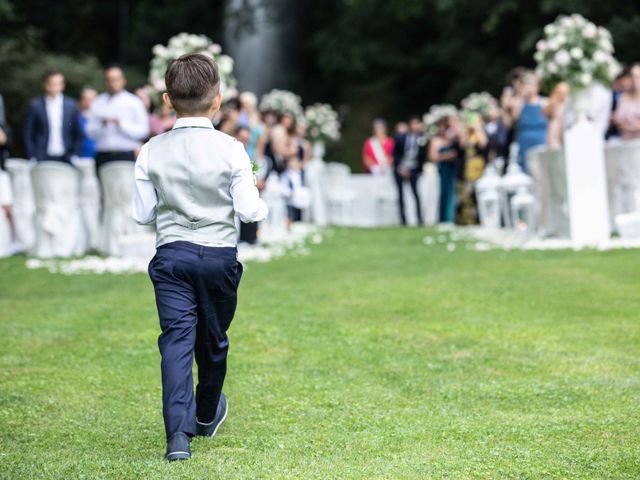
[
  {"x": 339, "y": 195},
  {"x": 23, "y": 203},
  {"x": 6, "y": 200},
  {"x": 121, "y": 235},
  {"x": 90, "y": 201},
  {"x": 429, "y": 190},
  {"x": 58, "y": 221},
  {"x": 623, "y": 175}
]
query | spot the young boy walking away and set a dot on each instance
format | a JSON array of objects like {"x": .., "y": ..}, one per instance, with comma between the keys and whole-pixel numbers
[{"x": 190, "y": 182}]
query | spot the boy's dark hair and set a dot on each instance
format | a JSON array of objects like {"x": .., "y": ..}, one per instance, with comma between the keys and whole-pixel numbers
[
  {"x": 192, "y": 82},
  {"x": 50, "y": 73}
]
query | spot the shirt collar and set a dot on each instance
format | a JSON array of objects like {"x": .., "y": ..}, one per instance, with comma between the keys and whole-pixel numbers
[
  {"x": 186, "y": 122},
  {"x": 56, "y": 99}
]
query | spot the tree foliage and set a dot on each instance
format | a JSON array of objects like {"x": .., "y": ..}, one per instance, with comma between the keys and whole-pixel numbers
[{"x": 440, "y": 50}]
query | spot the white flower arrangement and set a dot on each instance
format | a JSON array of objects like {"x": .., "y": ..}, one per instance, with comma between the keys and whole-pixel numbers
[
  {"x": 282, "y": 101},
  {"x": 576, "y": 51},
  {"x": 189, "y": 43},
  {"x": 322, "y": 123},
  {"x": 435, "y": 114},
  {"x": 478, "y": 102}
]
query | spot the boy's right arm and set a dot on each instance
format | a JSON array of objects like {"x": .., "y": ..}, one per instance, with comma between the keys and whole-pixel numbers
[{"x": 144, "y": 193}]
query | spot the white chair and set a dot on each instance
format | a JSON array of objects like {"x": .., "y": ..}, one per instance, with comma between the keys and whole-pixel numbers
[
  {"x": 429, "y": 189},
  {"x": 23, "y": 203},
  {"x": 120, "y": 234},
  {"x": 375, "y": 202},
  {"x": 58, "y": 220},
  {"x": 90, "y": 201},
  {"x": 339, "y": 196},
  {"x": 623, "y": 176},
  {"x": 314, "y": 174},
  {"x": 6, "y": 199}
]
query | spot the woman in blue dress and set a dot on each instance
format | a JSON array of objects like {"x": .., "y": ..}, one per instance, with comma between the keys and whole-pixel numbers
[
  {"x": 531, "y": 126},
  {"x": 444, "y": 151}
]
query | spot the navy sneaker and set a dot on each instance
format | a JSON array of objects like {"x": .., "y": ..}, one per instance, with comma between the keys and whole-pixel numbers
[
  {"x": 178, "y": 447},
  {"x": 210, "y": 429}
]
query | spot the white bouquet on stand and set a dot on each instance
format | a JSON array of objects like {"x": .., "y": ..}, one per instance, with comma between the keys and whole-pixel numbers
[
  {"x": 435, "y": 114},
  {"x": 576, "y": 51},
  {"x": 282, "y": 101},
  {"x": 322, "y": 123},
  {"x": 478, "y": 102},
  {"x": 189, "y": 43}
]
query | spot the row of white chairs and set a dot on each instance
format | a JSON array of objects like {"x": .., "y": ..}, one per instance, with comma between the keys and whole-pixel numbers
[
  {"x": 547, "y": 168},
  {"x": 62, "y": 211}
]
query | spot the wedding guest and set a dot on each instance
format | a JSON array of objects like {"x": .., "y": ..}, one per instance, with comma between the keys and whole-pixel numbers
[
  {"x": 87, "y": 96},
  {"x": 250, "y": 117},
  {"x": 161, "y": 120},
  {"x": 474, "y": 142},
  {"x": 228, "y": 120},
  {"x": 497, "y": 134},
  {"x": 5, "y": 135},
  {"x": 279, "y": 146},
  {"x": 444, "y": 150},
  {"x": 377, "y": 152},
  {"x": 555, "y": 112},
  {"x": 243, "y": 134},
  {"x": 143, "y": 94},
  {"x": 622, "y": 84},
  {"x": 248, "y": 114},
  {"x": 531, "y": 124},
  {"x": 295, "y": 192},
  {"x": 52, "y": 129},
  {"x": 627, "y": 116},
  {"x": 299, "y": 138},
  {"x": 401, "y": 128},
  {"x": 118, "y": 120},
  {"x": 409, "y": 155},
  {"x": 511, "y": 101}
]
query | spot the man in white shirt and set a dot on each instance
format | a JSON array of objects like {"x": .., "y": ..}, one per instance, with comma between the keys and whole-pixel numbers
[
  {"x": 117, "y": 120},
  {"x": 52, "y": 130},
  {"x": 191, "y": 182}
]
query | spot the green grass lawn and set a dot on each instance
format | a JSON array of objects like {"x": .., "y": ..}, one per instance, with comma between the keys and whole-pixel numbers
[{"x": 373, "y": 357}]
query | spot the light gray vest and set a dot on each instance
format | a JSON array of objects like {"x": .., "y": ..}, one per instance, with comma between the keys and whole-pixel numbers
[{"x": 191, "y": 171}]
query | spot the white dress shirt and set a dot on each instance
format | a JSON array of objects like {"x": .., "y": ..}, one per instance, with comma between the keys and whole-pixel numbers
[
  {"x": 246, "y": 200},
  {"x": 55, "y": 112},
  {"x": 133, "y": 122}
]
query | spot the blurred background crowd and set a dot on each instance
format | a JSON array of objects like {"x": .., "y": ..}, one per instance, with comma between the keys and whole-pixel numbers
[{"x": 382, "y": 81}]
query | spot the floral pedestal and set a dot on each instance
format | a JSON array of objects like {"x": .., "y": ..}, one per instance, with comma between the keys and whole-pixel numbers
[{"x": 586, "y": 182}]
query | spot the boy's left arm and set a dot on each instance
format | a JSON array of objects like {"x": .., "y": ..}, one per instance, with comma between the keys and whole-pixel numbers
[
  {"x": 246, "y": 198},
  {"x": 144, "y": 193}
]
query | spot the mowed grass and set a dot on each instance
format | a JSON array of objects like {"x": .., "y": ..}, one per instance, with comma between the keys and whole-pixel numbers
[{"x": 373, "y": 357}]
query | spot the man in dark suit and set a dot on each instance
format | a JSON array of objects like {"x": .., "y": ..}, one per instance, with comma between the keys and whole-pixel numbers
[
  {"x": 409, "y": 155},
  {"x": 52, "y": 130}
]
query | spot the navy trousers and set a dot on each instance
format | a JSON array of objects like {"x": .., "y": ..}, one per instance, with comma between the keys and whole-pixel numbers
[{"x": 196, "y": 294}]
